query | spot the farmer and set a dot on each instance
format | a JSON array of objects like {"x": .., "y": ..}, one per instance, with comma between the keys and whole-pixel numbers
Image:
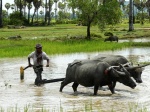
[{"x": 38, "y": 56}]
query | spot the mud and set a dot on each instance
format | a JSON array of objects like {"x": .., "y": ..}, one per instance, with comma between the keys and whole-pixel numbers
[{"x": 21, "y": 95}]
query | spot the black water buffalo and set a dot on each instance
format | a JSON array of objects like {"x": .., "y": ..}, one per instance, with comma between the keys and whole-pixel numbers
[
  {"x": 111, "y": 38},
  {"x": 113, "y": 60},
  {"x": 95, "y": 73}
]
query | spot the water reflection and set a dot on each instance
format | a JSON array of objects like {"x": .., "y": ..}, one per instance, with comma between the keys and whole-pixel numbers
[
  {"x": 48, "y": 95},
  {"x": 141, "y": 39}
]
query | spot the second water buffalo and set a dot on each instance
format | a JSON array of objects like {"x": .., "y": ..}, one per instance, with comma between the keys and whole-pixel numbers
[
  {"x": 111, "y": 38},
  {"x": 90, "y": 73},
  {"x": 113, "y": 60}
]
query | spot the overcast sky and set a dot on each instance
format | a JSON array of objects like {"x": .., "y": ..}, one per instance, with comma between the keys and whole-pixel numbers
[
  {"x": 7, "y": 1},
  {"x": 12, "y": 2}
]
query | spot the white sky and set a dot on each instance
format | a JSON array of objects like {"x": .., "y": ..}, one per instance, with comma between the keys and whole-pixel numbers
[
  {"x": 12, "y": 2},
  {"x": 7, "y": 1}
]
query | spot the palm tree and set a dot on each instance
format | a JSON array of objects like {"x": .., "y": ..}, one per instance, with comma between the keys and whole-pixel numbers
[
  {"x": 19, "y": 4},
  {"x": 37, "y": 4},
  {"x": 12, "y": 6},
  {"x": 41, "y": 13},
  {"x": 55, "y": 8},
  {"x": 29, "y": 7},
  {"x": 7, "y": 6},
  {"x": 16, "y": 2},
  {"x": 24, "y": 7},
  {"x": 45, "y": 11},
  {"x": 131, "y": 28},
  {"x": 1, "y": 23},
  {"x": 148, "y": 7},
  {"x": 50, "y": 3}
]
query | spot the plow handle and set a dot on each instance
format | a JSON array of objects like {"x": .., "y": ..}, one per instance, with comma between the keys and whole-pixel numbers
[{"x": 26, "y": 67}]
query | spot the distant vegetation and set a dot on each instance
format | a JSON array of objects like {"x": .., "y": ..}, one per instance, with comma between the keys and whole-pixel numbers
[
  {"x": 21, "y": 48},
  {"x": 52, "y": 12},
  {"x": 68, "y": 31}
]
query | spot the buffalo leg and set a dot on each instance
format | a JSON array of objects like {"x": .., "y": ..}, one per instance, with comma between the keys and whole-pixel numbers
[
  {"x": 114, "y": 84},
  {"x": 111, "y": 87},
  {"x": 63, "y": 84},
  {"x": 95, "y": 89},
  {"x": 74, "y": 86}
]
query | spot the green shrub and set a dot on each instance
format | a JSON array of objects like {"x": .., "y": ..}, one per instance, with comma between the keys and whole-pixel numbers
[
  {"x": 108, "y": 34},
  {"x": 17, "y": 19}
]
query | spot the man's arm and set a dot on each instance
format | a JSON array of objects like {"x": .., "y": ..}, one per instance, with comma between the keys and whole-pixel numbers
[
  {"x": 29, "y": 59},
  {"x": 45, "y": 56},
  {"x": 29, "y": 62},
  {"x": 47, "y": 63}
]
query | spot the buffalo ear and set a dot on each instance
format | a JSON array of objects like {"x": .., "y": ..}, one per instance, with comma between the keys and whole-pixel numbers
[
  {"x": 113, "y": 72},
  {"x": 124, "y": 70},
  {"x": 142, "y": 67}
]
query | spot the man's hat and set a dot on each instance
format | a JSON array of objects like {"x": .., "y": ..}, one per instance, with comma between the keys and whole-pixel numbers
[{"x": 38, "y": 46}]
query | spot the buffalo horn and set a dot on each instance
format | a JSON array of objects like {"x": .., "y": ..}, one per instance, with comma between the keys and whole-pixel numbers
[
  {"x": 130, "y": 68},
  {"x": 124, "y": 69},
  {"x": 128, "y": 64},
  {"x": 119, "y": 72}
]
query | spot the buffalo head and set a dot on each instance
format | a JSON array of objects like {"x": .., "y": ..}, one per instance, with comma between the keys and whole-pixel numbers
[
  {"x": 122, "y": 75},
  {"x": 136, "y": 72}
]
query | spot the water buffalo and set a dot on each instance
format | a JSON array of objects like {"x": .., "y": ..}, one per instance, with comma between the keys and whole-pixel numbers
[
  {"x": 111, "y": 38},
  {"x": 113, "y": 60},
  {"x": 95, "y": 73}
]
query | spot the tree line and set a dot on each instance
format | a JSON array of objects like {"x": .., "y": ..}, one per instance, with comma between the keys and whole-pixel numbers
[{"x": 81, "y": 12}]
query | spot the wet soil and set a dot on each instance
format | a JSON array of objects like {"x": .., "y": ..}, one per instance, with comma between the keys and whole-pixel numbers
[{"x": 21, "y": 95}]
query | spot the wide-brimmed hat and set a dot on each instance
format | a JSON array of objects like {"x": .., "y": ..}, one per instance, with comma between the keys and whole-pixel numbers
[{"x": 38, "y": 46}]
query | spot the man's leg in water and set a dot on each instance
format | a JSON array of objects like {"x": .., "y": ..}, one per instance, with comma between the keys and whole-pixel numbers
[{"x": 38, "y": 79}]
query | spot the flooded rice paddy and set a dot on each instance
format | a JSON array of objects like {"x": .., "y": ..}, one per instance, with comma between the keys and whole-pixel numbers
[
  {"x": 143, "y": 39},
  {"x": 23, "y": 95}
]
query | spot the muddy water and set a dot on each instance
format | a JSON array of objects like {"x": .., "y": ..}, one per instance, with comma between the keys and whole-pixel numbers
[
  {"x": 141, "y": 39},
  {"x": 22, "y": 95}
]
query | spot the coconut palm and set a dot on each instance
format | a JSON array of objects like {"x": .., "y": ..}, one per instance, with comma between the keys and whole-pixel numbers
[
  {"x": 12, "y": 6},
  {"x": 7, "y": 6},
  {"x": 55, "y": 8},
  {"x": 29, "y": 6},
  {"x": 50, "y": 3},
  {"x": 24, "y": 3},
  {"x": 16, "y": 2},
  {"x": 19, "y": 4},
  {"x": 42, "y": 10},
  {"x": 37, "y": 4},
  {"x": 46, "y": 11}
]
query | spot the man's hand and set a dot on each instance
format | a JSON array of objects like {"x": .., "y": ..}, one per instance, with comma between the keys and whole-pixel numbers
[{"x": 30, "y": 65}]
